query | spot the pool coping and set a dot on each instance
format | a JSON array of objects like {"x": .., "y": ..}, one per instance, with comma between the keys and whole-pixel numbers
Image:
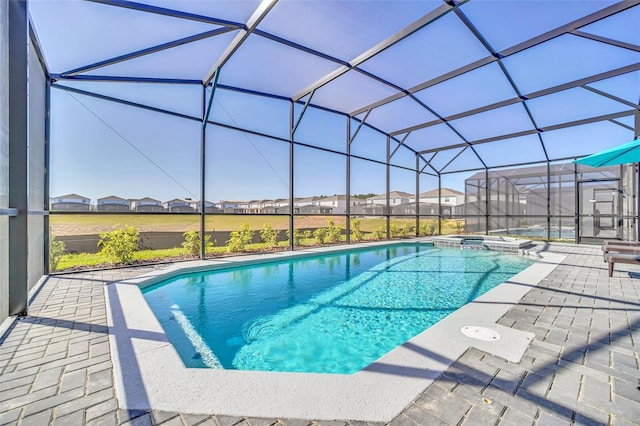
[
  {"x": 491, "y": 242},
  {"x": 149, "y": 373}
]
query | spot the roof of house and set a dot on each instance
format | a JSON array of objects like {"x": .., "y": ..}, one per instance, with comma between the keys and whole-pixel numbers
[
  {"x": 147, "y": 199},
  {"x": 335, "y": 198},
  {"x": 79, "y": 197},
  {"x": 307, "y": 199},
  {"x": 177, "y": 199},
  {"x": 392, "y": 194},
  {"x": 443, "y": 192},
  {"x": 111, "y": 198}
]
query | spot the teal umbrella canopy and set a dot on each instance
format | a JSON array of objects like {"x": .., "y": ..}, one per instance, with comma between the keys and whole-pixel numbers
[{"x": 621, "y": 154}]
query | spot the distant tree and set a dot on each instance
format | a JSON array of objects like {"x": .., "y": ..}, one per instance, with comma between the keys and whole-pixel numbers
[{"x": 364, "y": 196}]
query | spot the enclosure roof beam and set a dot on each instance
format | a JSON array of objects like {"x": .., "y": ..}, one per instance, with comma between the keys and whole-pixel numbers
[
  {"x": 533, "y": 95},
  {"x": 147, "y": 51},
  {"x": 122, "y": 101},
  {"x": 359, "y": 126},
  {"x": 622, "y": 125},
  {"x": 612, "y": 42},
  {"x": 606, "y": 117},
  {"x": 454, "y": 158},
  {"x": 437, "y": 13},
  {"x": 120, "y": 79},
  {"x": 168, "y": 12},
  {"x": 213, "y": 93},
  {"x": 612, "y": 97},
  {"x": 586, "y": 20},
  {"x": 304, "y": 109},
  {"x": 400, "y": 143},
  {"x": 255, "y": 19}
]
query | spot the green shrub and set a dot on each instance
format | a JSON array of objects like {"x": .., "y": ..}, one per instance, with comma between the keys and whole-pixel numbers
[
  {"x": 191, "y": 243},
  {"x": 297, "y": 237},
  {"x": 120, "y": 244},
  {"x": 380, "y": 232},
  {"x": 269, "y": 236},
  {"x": 56, "y": 251},
  {"x": 334, "y": 233},
  {"x": 427, "y": 228},
  {"x": 404, "y": 229},
  {"x": 320, "y": 235},
  {"x": 307, "y": 234},
  {"x": 356, "y": 233},
  {"x": 239, "y": 239}
]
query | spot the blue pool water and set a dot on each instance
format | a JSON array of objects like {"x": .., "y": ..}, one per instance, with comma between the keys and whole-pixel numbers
[{"x": 335, "y": 313}]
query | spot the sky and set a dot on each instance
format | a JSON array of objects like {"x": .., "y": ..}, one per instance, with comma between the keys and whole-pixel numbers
[{"x": 101, "y": 148}]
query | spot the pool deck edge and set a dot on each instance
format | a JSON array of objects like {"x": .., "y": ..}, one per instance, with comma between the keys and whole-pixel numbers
[{"x": 150, "y": 375}]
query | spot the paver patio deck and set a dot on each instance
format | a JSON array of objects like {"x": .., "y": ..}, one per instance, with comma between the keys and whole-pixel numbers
[{"x": 582, "y": 367}]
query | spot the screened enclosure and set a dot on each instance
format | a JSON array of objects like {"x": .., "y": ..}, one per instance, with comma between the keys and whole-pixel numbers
[{"x": 326, "y": 122}]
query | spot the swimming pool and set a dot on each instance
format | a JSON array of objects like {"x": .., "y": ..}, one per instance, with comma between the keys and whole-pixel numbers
[{"x": 335, "y": 313}]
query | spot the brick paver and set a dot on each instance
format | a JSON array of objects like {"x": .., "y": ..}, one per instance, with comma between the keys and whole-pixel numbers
[{"x": 582, "y": 367}]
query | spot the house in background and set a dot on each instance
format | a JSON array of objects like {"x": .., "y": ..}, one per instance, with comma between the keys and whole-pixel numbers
[
  {"x": 448, "y": 200},
  {"x": 112, "y": 203},
  {"x": 70, "y": 202},
  {"x": 178, "y": 206},
  {"x": 368, "y": 209},
  {"x": 230, "y": 206},
  {"x": 377, "y": 204},
  {"x": 275, "y": 206},
  {"x": 395, "y": 198},
  {"x": 146, "y": 205},
  {"x": 209, "y": 207},
  {"x": 311, "y": 205},
  {"x": 337, "y": 203},
  {"x": 448, "y": 197}
]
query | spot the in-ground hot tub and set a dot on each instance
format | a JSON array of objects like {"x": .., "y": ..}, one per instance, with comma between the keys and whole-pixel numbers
[{"x": 490, "y": 242}]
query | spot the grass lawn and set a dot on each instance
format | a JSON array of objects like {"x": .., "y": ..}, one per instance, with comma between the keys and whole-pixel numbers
[{"x": 83, "y": 224}]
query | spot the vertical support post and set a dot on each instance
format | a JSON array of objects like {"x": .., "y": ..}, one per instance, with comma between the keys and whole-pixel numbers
[
  {"x": 18, "y": 157},
  {"x": 388, "y": 204},
  {"x": 549, "y": 202},
  {"x": 497, "y": 192},
  {"x": 206, "y": 111},
  {"x": 487, "y": 204},
  {"x": 439, "y": 204},
  {"x": 636, "y": 184},
  {"x": 348, "y": 182},
  {"x": 291, "y": 192},
  {"x": 620, "y": 231},
  {"x": 417, "y": 195},
  {"x": 577, "y": 198},
  {"x": 203, "y": 146},
  {"x": 47, "y": 135},
  {"x": 558, "y": 202}
]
